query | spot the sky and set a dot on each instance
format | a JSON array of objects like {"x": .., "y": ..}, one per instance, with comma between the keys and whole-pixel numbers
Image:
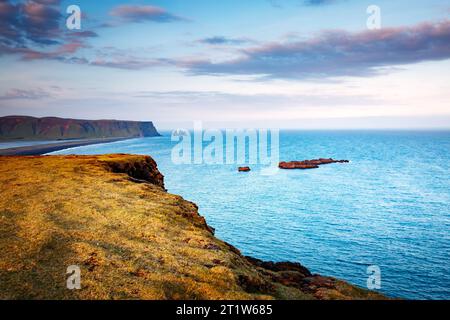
[{"x": 301, "y": 64}]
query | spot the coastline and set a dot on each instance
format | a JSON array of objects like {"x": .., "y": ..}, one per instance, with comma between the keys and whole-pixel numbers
[
  {"x": 131, "y": 238},
  {"x": 36, "y": 150}
]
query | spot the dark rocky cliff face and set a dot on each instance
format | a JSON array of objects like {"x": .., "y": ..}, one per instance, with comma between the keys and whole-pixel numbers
[{"x": 30, "y": 128}]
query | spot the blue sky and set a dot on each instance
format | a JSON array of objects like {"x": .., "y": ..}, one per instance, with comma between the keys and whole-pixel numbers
[{"x": 254, "y": 63}]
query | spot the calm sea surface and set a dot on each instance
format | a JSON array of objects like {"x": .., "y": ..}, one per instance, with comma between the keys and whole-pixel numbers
[{"x": 389, "y": 207}]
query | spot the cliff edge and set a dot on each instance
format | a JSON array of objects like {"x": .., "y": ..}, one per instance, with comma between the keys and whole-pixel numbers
[
  {"x": 111, "y": 216},
  {"x": 51, "y": 128}
]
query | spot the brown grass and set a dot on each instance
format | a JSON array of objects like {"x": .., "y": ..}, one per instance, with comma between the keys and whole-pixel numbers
[{"x": 131, "y": 238}]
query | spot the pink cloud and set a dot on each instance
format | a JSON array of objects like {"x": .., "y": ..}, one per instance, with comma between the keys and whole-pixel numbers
[
  {"x": 142, "y": 13},
  {"x": 338, "y": 53}
]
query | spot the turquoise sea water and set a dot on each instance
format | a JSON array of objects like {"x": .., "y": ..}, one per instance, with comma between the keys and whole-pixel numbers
[{"x": 389, "y": 207}]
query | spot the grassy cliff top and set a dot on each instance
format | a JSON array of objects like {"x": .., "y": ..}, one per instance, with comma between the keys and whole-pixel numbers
[{"x": 111, "y": 216}]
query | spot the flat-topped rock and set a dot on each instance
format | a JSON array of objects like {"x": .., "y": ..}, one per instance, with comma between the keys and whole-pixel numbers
[{"x": 309, "y": 164}]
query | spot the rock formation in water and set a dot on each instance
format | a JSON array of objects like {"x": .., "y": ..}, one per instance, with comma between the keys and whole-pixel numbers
[
  {"x": 30, "y": 128},
  {"x": 309, "y": 164}
]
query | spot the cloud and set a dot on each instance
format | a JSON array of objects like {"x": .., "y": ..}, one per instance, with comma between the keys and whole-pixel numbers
[
  {"x": 111, "y": 58},
  {"x": 143, "y": 13},
  {"x": 128, "y": 63},
  {"x": 336, "y": 53},
  {"x": 221, "y": 40},
  {"x": 181, "y": 95},
  {"x": 33, "y": 29},
  {"x": 318, "y": 2},
  {"x": 31, "y": 21},
  {"x": 82, "y": 34},
  {"x": 57, "y": 54},
  {"x": 32, "y": 94},
  {"x": 48, "y": 2},
  {"x": 207, "y": 98},
  {"x": 40, "y": 22},
  {"x": 278, "y": 3}
]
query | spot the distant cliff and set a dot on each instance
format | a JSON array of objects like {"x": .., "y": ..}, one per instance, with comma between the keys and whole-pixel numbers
[{"x": 30, "y": 128}]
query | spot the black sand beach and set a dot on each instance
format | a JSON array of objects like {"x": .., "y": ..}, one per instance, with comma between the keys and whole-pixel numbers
[{"x": 52, "y": 147}]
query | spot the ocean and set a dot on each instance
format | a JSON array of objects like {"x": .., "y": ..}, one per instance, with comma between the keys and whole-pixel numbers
[{"x": 389, "y": 207}]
